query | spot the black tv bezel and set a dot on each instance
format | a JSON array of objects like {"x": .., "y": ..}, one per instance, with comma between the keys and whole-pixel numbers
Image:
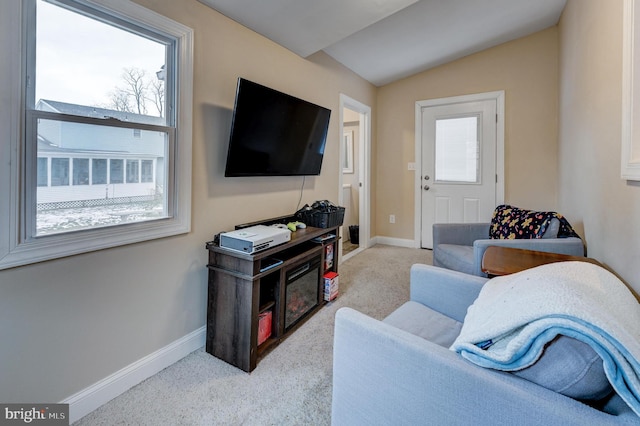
[{"x": 234, "y": 173}]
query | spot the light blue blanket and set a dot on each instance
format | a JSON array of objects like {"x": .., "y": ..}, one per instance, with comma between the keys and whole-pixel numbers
[{"x": 515, "y": 316}]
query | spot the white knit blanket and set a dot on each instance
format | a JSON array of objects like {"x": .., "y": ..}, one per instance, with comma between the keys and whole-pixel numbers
[{"x": 514, "y": 316}]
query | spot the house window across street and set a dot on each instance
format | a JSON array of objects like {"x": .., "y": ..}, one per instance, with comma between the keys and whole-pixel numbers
[
  {"x": 81, "y": 171},
  {"x": 116, "y": 171},
  {"x": 43, "y": 171},
  {"x": 98, "y": 171},
  {"x": 59, "y": 171},
  {"x": 133, "y": 171},
  {"x": 147, "y": 171}
]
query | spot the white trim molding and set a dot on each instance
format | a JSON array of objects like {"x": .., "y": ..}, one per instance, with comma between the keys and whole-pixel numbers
[
  {"x": 397, "y": 242},
  {"x": 98, "y": 394},
  {"x": 630, "y": 161},
  {"x": 363, "y": 161}
]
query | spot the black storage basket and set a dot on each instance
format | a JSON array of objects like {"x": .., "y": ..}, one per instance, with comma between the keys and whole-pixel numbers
[{"x": 333, "y": 216}]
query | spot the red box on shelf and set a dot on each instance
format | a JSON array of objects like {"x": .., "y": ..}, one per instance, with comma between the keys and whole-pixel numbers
[
  {"x": 264, "y": 326},
  {"x": 330, "y": 286}
]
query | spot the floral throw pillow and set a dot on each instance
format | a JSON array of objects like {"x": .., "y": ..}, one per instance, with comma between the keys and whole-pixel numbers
[{"x": 510, "y": 222}]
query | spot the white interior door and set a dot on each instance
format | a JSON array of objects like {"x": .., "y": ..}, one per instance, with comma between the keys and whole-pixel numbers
[{"x": 458, "y": 165}]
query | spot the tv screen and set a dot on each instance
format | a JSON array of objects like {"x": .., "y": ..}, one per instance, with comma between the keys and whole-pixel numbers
[{"x": 275, "y": 134}]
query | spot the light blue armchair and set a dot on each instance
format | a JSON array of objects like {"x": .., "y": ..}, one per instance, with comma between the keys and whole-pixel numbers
[
  {"x": 400, "y": 371},
  {"x": 460, "y": 246}
]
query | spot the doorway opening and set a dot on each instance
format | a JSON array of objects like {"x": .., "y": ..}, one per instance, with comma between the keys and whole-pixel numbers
[{"x": 355, "y": 131}]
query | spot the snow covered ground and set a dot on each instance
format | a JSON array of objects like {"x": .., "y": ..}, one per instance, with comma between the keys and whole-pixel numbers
[{"x": 75, "y": 219}]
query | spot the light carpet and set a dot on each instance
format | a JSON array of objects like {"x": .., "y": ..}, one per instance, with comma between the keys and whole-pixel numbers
[{"x": 291, "y": 385}]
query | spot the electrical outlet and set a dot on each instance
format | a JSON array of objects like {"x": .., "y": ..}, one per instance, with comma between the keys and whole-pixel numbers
[
  {"x": 392, "y": 218},
  {"x": 412, "y": 166}
]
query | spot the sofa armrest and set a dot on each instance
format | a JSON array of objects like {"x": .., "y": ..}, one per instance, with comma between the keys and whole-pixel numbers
[
  {"x": 443, "y": 290},
  {"x": 384, "y": 375},
  {"x": 572, "y": 246},
  {"x": 463, "y": 234}
]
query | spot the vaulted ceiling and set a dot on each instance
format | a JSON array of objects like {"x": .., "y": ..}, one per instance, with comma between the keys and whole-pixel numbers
[{"x": 386, "y": 40}]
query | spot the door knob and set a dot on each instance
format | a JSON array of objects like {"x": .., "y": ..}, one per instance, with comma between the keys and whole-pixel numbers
[{"x": 426, "y": 187}]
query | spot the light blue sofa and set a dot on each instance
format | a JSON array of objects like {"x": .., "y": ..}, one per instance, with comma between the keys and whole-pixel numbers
[
  {"x": 399, "y": 371},
  {"x": 460, "y": 246}
]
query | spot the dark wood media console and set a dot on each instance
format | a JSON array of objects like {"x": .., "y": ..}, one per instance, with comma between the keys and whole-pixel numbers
[{"x": 243, "y": 286}]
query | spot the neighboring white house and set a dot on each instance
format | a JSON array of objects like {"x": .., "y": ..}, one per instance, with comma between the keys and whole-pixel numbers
[{"x": 110, "y": 165}]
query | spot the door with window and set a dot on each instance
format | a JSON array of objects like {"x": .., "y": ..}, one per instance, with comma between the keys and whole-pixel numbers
[{"x": 459, "y": 168}]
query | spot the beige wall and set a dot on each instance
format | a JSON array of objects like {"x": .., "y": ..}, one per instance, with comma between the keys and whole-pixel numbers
[
  {"x": 65, "y": 324},
  {"x": 603, "y": 207},
  {"x": 527, "y": 70}
]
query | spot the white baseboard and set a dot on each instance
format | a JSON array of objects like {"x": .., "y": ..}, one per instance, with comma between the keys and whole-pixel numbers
[
  {"x": 399, "y": 242},
  {"x": 89, "y": 399}
]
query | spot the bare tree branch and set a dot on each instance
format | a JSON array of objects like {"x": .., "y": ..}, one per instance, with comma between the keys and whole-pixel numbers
[
  {"x": 138, "y": 88},
  {"x": 119, "y": 101},
  {"x": 156, "y": 87}
]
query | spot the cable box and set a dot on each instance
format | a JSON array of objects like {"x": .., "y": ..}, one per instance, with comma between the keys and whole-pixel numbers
[{"x": 254, "y": 238}]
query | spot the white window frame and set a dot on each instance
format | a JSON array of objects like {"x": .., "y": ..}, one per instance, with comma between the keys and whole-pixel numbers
[
  {"x": 630, "y": 149},
  {"x": 17, "y": 247}
]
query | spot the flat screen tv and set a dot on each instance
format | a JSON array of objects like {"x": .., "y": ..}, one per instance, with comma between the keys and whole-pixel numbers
[{"x": 275, "y": 134}]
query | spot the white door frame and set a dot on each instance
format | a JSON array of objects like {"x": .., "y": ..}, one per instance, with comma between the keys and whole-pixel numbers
[
  {"x": 364, "y": 167},
  {"x": 498, "y": 96}
]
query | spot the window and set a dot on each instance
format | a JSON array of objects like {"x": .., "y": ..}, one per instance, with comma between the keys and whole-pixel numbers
[
  {"x": 133, "y": 171},
  {"x": 116, "y": 171},
  {"x": 147, "y": 171},
  {"x": 94, "y": 90},
  {"x": 43, "y": 171},
  {"x": 98, "y": 171},
  {"x": 59, "y": 171},
  {"x": 81, "y": 171},
  {"x": 457, "y": 150},
  {"x": 630, "y": 158}
]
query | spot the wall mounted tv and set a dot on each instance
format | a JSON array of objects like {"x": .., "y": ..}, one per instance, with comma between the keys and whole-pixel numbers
[{"x": 275, "y": 134}]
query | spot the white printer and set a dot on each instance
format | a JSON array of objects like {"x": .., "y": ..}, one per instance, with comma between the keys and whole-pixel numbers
[{"x": 254, "y": 238}]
